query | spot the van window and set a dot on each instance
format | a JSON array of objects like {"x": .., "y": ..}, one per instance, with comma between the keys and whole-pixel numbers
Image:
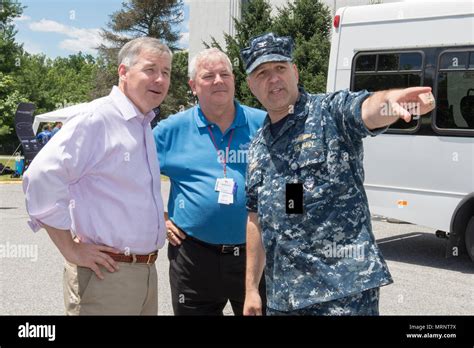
[
  {"x": 453, "y": 60},
  {"x": 366, "y": 63},
  {"x": 455, "y": 91},
  {"x": 471, "y": 61},
  {"x": 388, "y": 62},
  {"x": 376, "y": 72},
  {"x": 411, "y": 61}
]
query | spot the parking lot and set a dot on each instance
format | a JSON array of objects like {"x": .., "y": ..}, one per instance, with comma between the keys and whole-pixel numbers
[{"x": 426, "y": 283}]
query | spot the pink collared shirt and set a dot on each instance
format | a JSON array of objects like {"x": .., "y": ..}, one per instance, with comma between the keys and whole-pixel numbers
[{"x": 99, "y": 177}]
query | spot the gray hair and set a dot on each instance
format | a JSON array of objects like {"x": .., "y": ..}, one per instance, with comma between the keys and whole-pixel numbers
[
  {"x": 129, "y": 52},
  {"x": 203, "y": 55}
]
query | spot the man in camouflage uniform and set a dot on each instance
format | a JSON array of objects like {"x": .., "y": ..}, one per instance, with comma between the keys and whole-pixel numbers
[{"x": 322, "y": 260}]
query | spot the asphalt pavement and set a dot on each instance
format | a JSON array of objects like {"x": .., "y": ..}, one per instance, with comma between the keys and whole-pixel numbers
[{"x": 425, "y": 282}]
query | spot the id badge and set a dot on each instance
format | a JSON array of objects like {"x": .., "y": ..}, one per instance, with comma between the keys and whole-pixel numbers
[
  {"x": 225, "y": 185},
  {"x": 226, "y": 188},
  {"x": 225, "y": 198}
]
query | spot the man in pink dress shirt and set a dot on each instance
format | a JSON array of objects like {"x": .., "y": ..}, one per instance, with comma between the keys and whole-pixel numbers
[{"x": 95, "y": 188}]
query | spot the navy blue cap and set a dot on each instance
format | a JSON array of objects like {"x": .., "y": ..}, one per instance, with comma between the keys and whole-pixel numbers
[{"x": 267, "y": 48}]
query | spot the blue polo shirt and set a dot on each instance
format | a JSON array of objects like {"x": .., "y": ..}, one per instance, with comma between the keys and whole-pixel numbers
[{"x": 187, "y": 155}]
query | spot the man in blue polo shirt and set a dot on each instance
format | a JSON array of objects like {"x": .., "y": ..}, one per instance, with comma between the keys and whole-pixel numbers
[
  {"x": 203, "y": 150},
  {"x": 44, "y": 136}
]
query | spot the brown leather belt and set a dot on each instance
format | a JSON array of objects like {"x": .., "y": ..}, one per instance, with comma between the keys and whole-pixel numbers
[{"x": 133, "y": 258}]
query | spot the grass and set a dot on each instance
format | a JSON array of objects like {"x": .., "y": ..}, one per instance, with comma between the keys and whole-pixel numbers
[
  {"x": 4, "y": 160},
  {"x": 7, "y": 178},
  {"x": 11, "y": 164}
]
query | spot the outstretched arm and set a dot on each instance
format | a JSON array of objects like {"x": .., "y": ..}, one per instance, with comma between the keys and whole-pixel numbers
[{"x": 386, "y": 107}]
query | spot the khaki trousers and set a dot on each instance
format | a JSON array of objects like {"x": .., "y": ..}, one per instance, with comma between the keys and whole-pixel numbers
[{"x": 132, "y": 290}]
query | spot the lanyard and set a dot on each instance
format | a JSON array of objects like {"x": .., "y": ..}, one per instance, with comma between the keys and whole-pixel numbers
[{"x": 223, "y": 159}]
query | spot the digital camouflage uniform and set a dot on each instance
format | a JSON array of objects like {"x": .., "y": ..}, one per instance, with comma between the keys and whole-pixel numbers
[
  {"x": 329, "y": 252},
  {"x": 362, "y": 303}
]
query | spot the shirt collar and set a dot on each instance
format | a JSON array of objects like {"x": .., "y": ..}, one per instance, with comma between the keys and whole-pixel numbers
[
  {"x": 302, "y": 106},
  {"x": 239, "y": 119},
  {"x": 127, "y": 108}
]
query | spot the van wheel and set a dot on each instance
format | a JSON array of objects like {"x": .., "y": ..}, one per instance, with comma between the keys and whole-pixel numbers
[{"x": 469, "y": 238}]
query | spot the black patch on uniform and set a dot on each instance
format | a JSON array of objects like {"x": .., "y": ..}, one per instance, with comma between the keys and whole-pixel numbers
[{"x": 294, "y": 198}]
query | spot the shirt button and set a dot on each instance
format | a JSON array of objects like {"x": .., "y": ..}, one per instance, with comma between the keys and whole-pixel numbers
[{"x": 294, "y": 166}]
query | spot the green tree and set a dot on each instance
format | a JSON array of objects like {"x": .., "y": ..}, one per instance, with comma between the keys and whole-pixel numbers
[
  {"x": 144, "y": 18},
  {"x": 105, "y": 77},
  {"x": 10, "y": 53},
  {"x": 32, "y": 81},
  {"x": 180, "y": 97},
  {"x": 9, "y": 99},
  {"x": 9, "y": 49},
  {"x": 256, "y": 19},
  {"x": 151, "y": 18},
  {"x": 307, "y": 21},
  {"x": 49, "y": 84},
  {"x": 71, "y": 80},
  {"x": 52, "y": 84}
]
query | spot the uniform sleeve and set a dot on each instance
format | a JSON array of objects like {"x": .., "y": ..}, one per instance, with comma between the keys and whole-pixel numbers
[
  {"x": 346, "y": 108},
  {"x": 160, "y": 135},
  {"x": 64, "y": 160},
  {"x": 252, "y": 183}
]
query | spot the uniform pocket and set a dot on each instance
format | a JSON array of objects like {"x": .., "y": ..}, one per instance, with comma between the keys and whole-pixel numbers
[
  {"x": 311, "y": 158},
  {"x": 312, "y": 170},
  {"x": 308, "y": 150}
]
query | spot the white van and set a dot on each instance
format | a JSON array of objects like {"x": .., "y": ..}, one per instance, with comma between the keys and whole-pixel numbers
[{"x": 421, "y": 172}]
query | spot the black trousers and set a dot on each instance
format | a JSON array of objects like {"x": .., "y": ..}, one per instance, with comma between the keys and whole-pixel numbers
[{"x": 203, "y": 278}]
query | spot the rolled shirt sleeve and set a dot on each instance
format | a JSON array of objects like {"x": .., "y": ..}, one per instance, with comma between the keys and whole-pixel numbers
[{"x": 64, "y": 160}]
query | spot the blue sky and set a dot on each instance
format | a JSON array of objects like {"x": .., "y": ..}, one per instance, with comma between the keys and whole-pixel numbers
[{"x": 60, "y": 27}]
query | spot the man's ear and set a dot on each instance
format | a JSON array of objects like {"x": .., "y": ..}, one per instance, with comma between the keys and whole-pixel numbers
[
  {"x": 250, "y": 84},
  {"x": 192, "y": 84},
  {"x": 295, "y": 68},
  {"x": 122, "y": 72}
]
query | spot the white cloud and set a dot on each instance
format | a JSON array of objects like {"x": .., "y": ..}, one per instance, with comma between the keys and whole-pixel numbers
[
  {"x": 85, "y": 40},
  {"x": 32, "y": 47},
  {"x": 184, "y": 40},
  {"x": 49, "y": 26},
  {"x": 22, "y": 18}
]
